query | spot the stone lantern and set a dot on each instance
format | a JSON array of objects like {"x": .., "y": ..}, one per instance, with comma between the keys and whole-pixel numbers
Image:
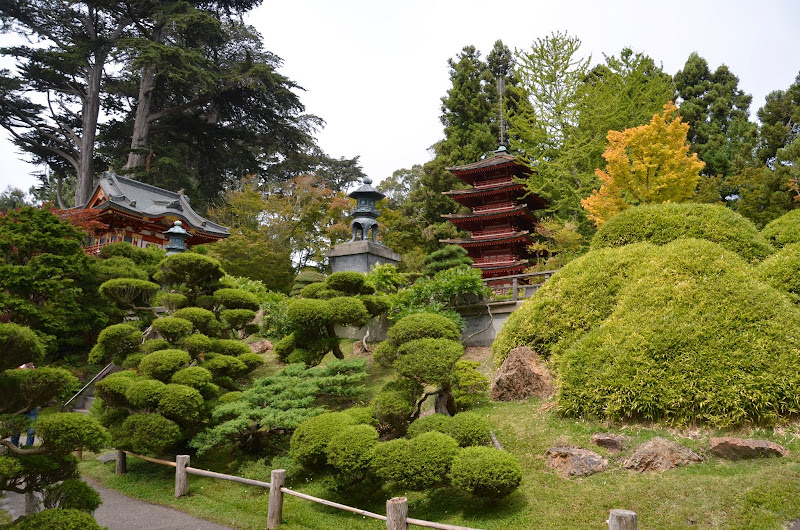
[
  {"x": 365, "y": 213},
  {"x": 177, "y": 239}
]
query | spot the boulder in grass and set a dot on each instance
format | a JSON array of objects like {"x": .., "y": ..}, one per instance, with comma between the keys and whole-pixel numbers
[
  {"x": 575, "y": 462},
  {"x": 522, "y": 376},
  {"x": 261, "y": 346},
  {"x": 612, "y": 442},
  {"x": 742, "y": 448},
  {"x": 660, "y": 454}
]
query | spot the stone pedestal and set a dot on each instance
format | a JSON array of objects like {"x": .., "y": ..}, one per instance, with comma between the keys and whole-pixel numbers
[{"x": 360, "y": 256}]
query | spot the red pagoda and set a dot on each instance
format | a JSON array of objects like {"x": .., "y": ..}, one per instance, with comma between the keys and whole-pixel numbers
[{"x": 500, "y": 221}]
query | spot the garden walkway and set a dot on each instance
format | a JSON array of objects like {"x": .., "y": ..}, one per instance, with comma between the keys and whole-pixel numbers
[{"x": 119, "y": 512}]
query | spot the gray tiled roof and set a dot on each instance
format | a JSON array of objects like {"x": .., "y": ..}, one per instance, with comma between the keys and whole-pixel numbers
[{"x": 151, "y": 201}]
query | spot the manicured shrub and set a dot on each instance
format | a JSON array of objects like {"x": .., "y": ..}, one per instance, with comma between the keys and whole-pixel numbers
[
  {"x": 163, "y": 363},
  {"x": 113, "y": 389},
  {"x": 310, "y": 439},
  {"x": 145, "y": 394},
  {"x": 285, "y": 346},
  {"x": 304, "y": 278},
  {"x": 19, "y": 345},
  {"x": 389, "y": 460},
  {"x": 171, "y": 301},
  {"x": 470, "y": 387},
  {"x": 147, "y": 434},
  {"x": 172, "y": 328},
  {"x": 118, "y": 267},
  {"x": 115, "y": 342},
  {"x": 782, "y": 270},
  {"x": 128, "y": 292},
  {"x": 251, "y": 360},
  {"x": 661, "y": 223},
  {"x": 486, "y": 472},
  {"x": 431, "y": 423},
  {"x": 469, "y": 429},
  {"x": 311, "y": 290},
  {"x": 348, "y": 282},
  {"x": 189, "y": 269},
  {"x": 230, "y": 397},
  {"x": 445, "y": 258},
  {"x": 238, "y": 318},
  {"x": 225, "y": 366},
  {"x": 132, "y": 361},
  {"x": 784, "y": 230},
  {"x": 376, "y": 304},
  {"x": 428, "y": 361},
  {"x": 155, "y": 345},
  {"x": 350, "y": 450},
  {"x": 430, "y": 456},
  {"x": 180, "y": 403},
  {"x": 197, "y": 344},
  {"x": 193, "y": 376},
  {"x": 59, "y": 519},
  {"x": 65, "y": 431},
  {"x": 422, "y": 326},
  {"x": 203, "y": 320},
  {"x": 71, "y": 494},
  {"x": 392, "y": 410},
  {"x": 348, "y": 311},
  {"x": 236, "y": 299},
  {"x": 234, "y": 348},
  {"x": 308, "y": 314}
]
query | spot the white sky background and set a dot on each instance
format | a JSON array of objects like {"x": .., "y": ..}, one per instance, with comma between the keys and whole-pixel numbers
[{"x": 375, "y": 70}]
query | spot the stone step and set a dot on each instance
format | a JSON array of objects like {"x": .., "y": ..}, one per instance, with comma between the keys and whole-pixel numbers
[{"x": 81, "y": 411}]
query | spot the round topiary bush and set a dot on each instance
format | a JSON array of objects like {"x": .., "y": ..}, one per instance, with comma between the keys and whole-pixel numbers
[
  {"x": 19, "y": 345},
  {"x": 784, "y": 230},
  {"x": 362, "y": 415},
  {"x": 782, "y": 270},
  {"x": 430, "y": 456},
  {"x": 376, "y": 304},
  {"x": 203, "y": 320},
  {"x": 196, "y": 344},
  {"x": 347, "y": 282},
  {"x": 428, "y": 361},
  {"x": 230, "y": 397},
  {"x": 661, "y": 223},
  {"x": 311, "y": 290},
  {"x": 180, "y": 403},
  {"x": 234, "y": 348},
  {"x": 145, "y": 394},
  {"x": 284, "y": 347},
  {"x": 59, "y": 519},
  {"x": 71, "y": 494},
  {"x": 147, "y": 434},
  {"x": 686, "y": 333},
  {"x": 193, "y": 376},
  {"x": 431, "y": 423},
  {"x": 225, "y": 366},
  {"x": 172, "y": 328},
  {"x": 163, "y": 363},
  {"x": 155, "y": 344},
  {"x": 350, "y": 450},
  {"x": 389, "y": 460},
  {"x": 132, "y": 361},
  {"x": 115, "y": 342},
  {"x": 470, "y": 429},
  {"x": 486, "y": 472},
  {"x": 308, "y": 314},
  {"x": 238, "y": 318},
  {"x": 309, "y": 441},
  {"x": 423, "y": 326},
  {"x": 392, "y": 410},
  {"x": 306, "y": 277},
  {"x": 236, "y": 299},
  {"x": 113, "y": 389},
  {"x": 251, "y": 360},
  {"x": 348, "y": 311}
]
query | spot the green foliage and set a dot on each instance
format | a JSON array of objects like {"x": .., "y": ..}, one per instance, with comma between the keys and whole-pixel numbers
[
  {"x": 195, "y": 272},
  {"x": 362, "y": 415},
  {"x": 180, "y": 403},
  {"x": 114, "y": 388},
  {"x": 118, "y": 267},
  {"x": 280, "y": 403},
  {"x": 448, "y": 257},
  {"x": 385, "y": 278},
  {"x": 306, "y": 277},
  {"x": 172, "y": 328},
  {"x": 448, "y": 288},
  {"x": 784, "y": 230},
  {"x": 782, "y": 270},
  {"x": 132, "y": 361},
  {"x": 172, "y": 301},
  {"x": 72, "y": 494},
  {"x": 428, "y": 461},
  {"x": 251, "y": 360},
  {"x": 163, "y": 364},
  {"x": 428, "y": 361},
  {"x": 376, "y": 304},
  {"x": 203, "y": 320},
  {"x": 153, "y": 345},
  {"x": 350, "y": 451},
  {"x": 469, "y": 429},
  {"x": 431, "y": 423},
  {"x": 147, "y": 434},
  {"x": 196, "y": 344},
  {"x": 225, "y": 366},
  {"x": 308, "y": 315},
  {"x": 59, "y": 519},
  {"x": 115, "y": 342},
  {"x": 145, "y": 258},
  {"x": 665, "y": 337},
  {"x": 421, "y": 326},
  {"x": 19, "y": 345},
  {"x": 389, "y": 460},
  {"x": 349, "y": 283},
  {"x": 284, "y": 347},
  {"x": 238, "y": 318},
  {"x": 65, "y": 432},
  {"x": 26, "y": 389},
  {"x": 486, "y": 472},
  {"x": 470, "y": 387},
  {"x": 129, "y": 292},
  {"x": 309, "y": 442},
  {"x": 662, "y": 223},
  {"x": 236, "y": 299},
  {"x": 392, "y": 409},
  {"x": 146, "y": 393},
  {"x": 348, "y": 311},
  {"x": 233, "y": 348}
]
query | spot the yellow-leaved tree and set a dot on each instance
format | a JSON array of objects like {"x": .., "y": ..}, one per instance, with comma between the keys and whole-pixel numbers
[{"x": 648, "y": 164}]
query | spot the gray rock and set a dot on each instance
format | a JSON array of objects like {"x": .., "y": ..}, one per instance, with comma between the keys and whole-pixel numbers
[
  {"x": 660, "y": 454},
  {"x": 521, "y": 376},
  {"x": 741, "y": 448},
  {"x": 107, "y": 457},
  {"x": 612, "y": 442},
  {"x": 575, "y": 462}
]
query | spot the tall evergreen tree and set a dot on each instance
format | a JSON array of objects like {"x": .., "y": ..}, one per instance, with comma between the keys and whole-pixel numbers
[{"x": 780, "y": 121}]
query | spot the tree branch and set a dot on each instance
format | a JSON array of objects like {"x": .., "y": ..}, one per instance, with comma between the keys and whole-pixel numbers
[{"x": 18, "y": 451}]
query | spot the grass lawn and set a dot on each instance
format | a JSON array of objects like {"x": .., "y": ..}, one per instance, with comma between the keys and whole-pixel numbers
[{"x": 714, "y": 494}]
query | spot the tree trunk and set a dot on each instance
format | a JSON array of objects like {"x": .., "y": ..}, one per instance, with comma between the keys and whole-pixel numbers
[
  {"x": 91, "y": 109},
  {"x": 445, "y": 402},
  {"x": 141, "y": 124}
]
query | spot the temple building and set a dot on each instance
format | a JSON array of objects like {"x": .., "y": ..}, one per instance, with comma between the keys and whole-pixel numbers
[
  {"x": 500, "y": 221},
  {"x": 141, "y": 214}
]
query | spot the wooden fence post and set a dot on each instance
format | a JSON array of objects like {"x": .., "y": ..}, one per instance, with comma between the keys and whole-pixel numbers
[
  {"x": 396, "y": 513},
  {"x": 122, "y": 462},
  {"x": 181, "y": 476},
  {"x": 275, "y": 514},
  {"x": 622, "y": 520}
]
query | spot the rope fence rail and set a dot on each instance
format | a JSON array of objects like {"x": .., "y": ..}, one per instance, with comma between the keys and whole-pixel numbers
[{"x": 396, "y": 508}]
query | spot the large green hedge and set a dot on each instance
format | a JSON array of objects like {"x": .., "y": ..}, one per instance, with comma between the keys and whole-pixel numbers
[
  {"x": 784, "y": 230},
  {"x": 683, "y": 332},
  {"x": 662, "y": 223}
]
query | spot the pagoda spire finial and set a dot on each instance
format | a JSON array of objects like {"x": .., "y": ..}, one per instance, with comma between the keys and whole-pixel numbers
[{"x": 501, "y": 87}]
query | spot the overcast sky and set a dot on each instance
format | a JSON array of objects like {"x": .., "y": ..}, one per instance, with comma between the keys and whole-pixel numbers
[{"x": 375, "y": 71}]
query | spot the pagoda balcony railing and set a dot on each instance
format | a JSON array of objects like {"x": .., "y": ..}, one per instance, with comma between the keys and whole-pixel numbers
[
  {"x": 496, "y": 207},
  {"x": 94, "y": 250},
  {"x": 495, "y": 260},
  {"x": 518, "y": 286},
  {"x": 492, "y": 232},
  {"x": 493, "y": 182}
]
